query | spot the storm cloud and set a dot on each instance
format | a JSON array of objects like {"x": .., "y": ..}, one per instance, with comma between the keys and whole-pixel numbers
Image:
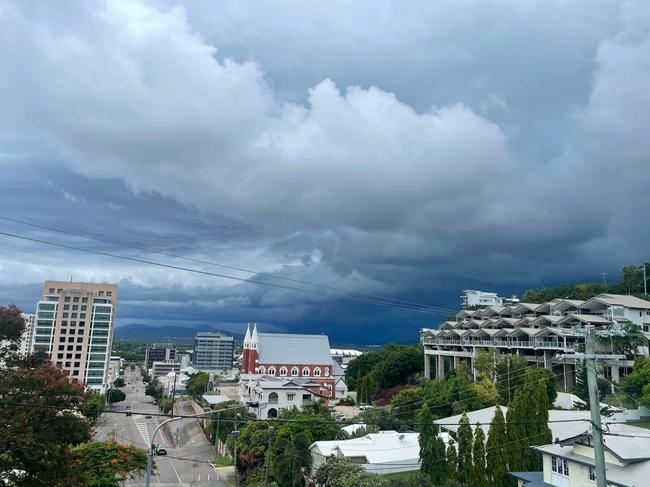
[{"x": 404, "y": 152}]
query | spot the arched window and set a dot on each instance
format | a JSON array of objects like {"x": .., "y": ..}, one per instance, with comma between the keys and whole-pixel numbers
[
  {"x": 273, "y": 413},
  {"x": 327, "y": 371},
  {"x": 294, "y": 372},
  {"x": 261, "y": 370},
  {"x": 317, "y": 372},
  {"x": 271, "y": 370},
  {"x": 273, "y": 398},
  {"x": 283, "y": 371},
  {"x": 305, "y": 371}
]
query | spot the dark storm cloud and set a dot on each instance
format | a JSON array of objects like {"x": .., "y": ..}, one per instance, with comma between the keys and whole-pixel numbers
[{"x": 499, "y": 145}]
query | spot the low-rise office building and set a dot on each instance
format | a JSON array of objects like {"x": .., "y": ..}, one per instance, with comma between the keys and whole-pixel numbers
[
  {"x": 164, "y": 367},
  {"x": 213, "y": 351},
  {"x": 159, "y": 352},
  {"x": 540, "y": 333}
]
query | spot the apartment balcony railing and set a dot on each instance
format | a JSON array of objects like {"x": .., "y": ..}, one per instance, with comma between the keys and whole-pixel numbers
[{"x": 532, "y": 343}]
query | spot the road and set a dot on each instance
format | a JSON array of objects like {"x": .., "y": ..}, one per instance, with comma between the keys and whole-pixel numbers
[{"x": 185, "y": 465}]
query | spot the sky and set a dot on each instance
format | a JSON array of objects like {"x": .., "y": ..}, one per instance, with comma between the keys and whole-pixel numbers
[{"x": 401, "y": 150}]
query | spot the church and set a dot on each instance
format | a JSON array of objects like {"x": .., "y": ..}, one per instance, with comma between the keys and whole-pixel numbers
[{"x": 287, "y": 355}]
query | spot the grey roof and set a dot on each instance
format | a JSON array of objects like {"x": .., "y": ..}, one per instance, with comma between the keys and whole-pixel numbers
[
  {"x": 585, "y": 319},
  {"x": 574, "y": 422},
  {"x": 620, "y": 300},
  {"x": 528, "y": 476},
  {"x": 213, "y": 399},
  {"x": 287, "y": 348}
]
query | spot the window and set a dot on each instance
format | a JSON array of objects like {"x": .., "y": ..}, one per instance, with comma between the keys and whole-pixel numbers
[
  {"x": 294, "y": 372},
  {"x": 327, "y": 371},
  {"x": 273, "y": 398},
  {"x": 64, "y": 323},
  {"x": 305, "y": 371},
  {"x": 262, "y": 370},
  {"x": 101, "y": 293},
  {"x": 71, "y": 332},
  {"x": 592, "y": 473},
  {"x": 66, "y": 306},
  {"x": 70, "y": 339},
  {"x": 75, "y": 299},
  {"x": 64, "y": 330},
  {"x": 51, "y": 290},
  {"x": 59, "y": 355},
  {"x": 271, "y": 370},
  {"x": 66, "y": 299},
  {"x": 66, "y": 315},
  {"x": 283, "y": 371},
  {"x": 559, "y": 465},
  {"x": 317, "y": 372},
  {"x": 84, "y": 307},
  {"x": 291, "y": 397},
  {"x": 84, "y": 300},
  {"x": 109, "y": 293},
  {"x": 75, "y": 307}
]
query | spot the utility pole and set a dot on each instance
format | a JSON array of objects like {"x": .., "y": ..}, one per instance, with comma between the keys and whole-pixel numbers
[
  {"x": 235, "y": 435},
  {"x": 174, "y": 393},
  {"x": 594, "y": 407},
  {"x": 217, "y": 441},
  {"x": 590, "y": 357},
  {"x": 268, "y": 456}
]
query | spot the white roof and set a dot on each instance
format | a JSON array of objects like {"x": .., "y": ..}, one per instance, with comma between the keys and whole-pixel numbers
[
  {"x": 574, "y": 422},
  {"x": 383, "y": 447},
  {"x": 338, "y": 352},
  {"x": 288, "y": 348},
  {"x": 213, "y": 399}
]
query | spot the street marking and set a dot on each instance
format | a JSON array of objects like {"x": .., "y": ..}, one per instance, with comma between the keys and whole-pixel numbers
[
  {"x": 142, "y": 428},
  {"x": 177, "y": 476}
]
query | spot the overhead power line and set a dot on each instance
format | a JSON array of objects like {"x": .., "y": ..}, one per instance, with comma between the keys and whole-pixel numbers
[
  {"x": 106, "y": 240},
  {"x": 224, "y": 276}
]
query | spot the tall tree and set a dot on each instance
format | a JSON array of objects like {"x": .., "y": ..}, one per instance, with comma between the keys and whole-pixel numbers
[
  {"x": 478, "y": 477},
  {"x": 465, "y": 441},
  {"x": 426, "y": 439},
  {"x": 496, "y": 452},
  {"x": 452, "y": 461}
]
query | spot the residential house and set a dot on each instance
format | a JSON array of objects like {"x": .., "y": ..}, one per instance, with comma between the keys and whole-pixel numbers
[
  {"x": 570, "y": 462},
  {"x": 384, "y": 452},
  {"x": 267, "y": 395}
]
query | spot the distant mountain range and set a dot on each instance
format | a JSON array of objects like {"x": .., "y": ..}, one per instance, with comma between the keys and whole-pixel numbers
[{"x": 145, "y": 332}]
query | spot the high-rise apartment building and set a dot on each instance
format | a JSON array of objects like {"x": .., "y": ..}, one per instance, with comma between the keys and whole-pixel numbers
[
  {"x": 213, "y": 351},
  {"x": 74, "y": 326},
  {"x": 159, "y": 352},
  {"x": 27, "y": 337}
]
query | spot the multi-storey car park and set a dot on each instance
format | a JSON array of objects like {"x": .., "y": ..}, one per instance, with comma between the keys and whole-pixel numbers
[{"x": 540, "y": 333}]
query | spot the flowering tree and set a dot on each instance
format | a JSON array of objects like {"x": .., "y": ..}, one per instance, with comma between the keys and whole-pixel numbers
[{"x": 107, "y": 464}]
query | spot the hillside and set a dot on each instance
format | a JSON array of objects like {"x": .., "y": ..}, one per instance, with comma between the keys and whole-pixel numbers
[{"x": 144, "y": 332}]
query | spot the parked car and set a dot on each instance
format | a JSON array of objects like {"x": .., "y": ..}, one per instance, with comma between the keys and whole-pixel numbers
[
  {"x": 161, "y": 450},
  {"x": 364, "y": 407}
]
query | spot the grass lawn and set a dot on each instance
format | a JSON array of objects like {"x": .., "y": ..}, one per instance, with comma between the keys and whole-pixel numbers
[
  {"x": 619, "y": 399},
  {"x": 222, "y": 461},
  {"x": 641, "y": 424},
  {"x": 401, "y": 475}
]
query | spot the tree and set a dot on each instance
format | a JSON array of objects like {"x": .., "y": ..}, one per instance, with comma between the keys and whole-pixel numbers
[
  {"x": 12, "y": 326},
  {"x": 404, "y": 403},
  {"x": 197, "y": 384},
  {"x": 509, "y": 374},
  {"x": 34, "y": 441},
  {"x": 496, "y": 451},
  {"x": 485, "y": 363},
  {"x": 166, "y": 404},
  {"x": 116, "y": 395},
  {"x": 452, "y": 461},
  {"x": 340, "y": 472},
  {"x": 94, "y": 405},
  {"x": 106, "y": 464},
  {"x": 478, "y": 476},
  {"x": 396, "y": 364},
  {"x": 465, "y": 443},
  {"x": 119, "y": 382}
]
